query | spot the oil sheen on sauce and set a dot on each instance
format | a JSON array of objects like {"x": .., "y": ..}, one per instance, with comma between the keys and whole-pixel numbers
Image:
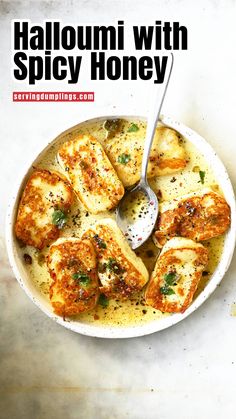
[{"x": 130, "y": 312}]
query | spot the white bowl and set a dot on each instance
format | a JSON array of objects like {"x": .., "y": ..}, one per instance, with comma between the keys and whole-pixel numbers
[{"x": 155, "y": 325}]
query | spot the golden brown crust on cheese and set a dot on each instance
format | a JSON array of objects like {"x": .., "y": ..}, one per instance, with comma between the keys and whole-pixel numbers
[
  {"x": 198, "y": 217},
  {"x": 167, "y": 155},
  {"x": 120, "y": 271},
  {"x": 44, "y": 192},
  {"x": 72, "y": 267},
  {"x": 176, "y": 276},
  {"x": 91, "y": 174}
]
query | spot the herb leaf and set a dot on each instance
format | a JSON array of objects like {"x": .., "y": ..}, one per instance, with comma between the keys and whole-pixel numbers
[
  {"x": 202, "y": 176},
  {"x": 112, "y": 126},
  {"x": 82, "y": 278},
  {"x": 101, "y": 244},
  {"x": 103, "y": 301},
  {"x": 166, "y": 290},
  {"x": 113, "y": 266},
  {"x": 170, "y": 278},
  {"x": 133, "y": 128},
  {"x": 59, "y": 218},
  {"x": 124, "y": 158}
]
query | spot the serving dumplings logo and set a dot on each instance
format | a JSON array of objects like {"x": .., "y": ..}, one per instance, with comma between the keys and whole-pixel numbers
[{"x": 53, "y": 97}]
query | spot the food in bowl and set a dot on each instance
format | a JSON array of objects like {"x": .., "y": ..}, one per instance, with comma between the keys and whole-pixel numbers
[
  {"x": 72, "y": 266},
  {"x": 176, "y": 275},
  {"x": 121, "y": 272},
  {"x": 200, "y": 216},
  {"x": 167, "y": 154},
  {"x": 121, "y": 296},
  {"x": 90, "y": 173},
  {"x": 45, "y": 200}
]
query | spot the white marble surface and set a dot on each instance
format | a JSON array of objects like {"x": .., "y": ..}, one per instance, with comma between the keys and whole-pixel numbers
[{"x": 187, "y": 371}]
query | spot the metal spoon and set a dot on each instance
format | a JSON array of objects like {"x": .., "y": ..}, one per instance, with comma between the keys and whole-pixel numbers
[{"x": 138, "y": 210}]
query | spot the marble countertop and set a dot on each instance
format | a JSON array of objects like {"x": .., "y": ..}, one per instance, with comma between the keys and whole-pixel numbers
[{"x": 187, "y": 371}]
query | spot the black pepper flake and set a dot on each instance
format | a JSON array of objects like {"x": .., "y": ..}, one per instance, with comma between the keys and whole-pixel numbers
[
  {"x": 205, "y": 273},
  {"x": 76, "y": 219},
  {"x": 149, "y": 253},
  {"x": 190, "y": 209},
  {"x": 101, "y": 244},
  {"x": 27, "y": 259}
]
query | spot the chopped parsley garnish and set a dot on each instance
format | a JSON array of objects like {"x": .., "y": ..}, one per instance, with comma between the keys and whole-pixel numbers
[
  {"x": 124, "y": 158},
  {"x": 166, "y": 290},
  {"x": 170, "y": 278},
  {"x": 202, "y": 176},
  {"x": 82, "y": 278},
  {"x": 113, "y": 266},
  {"x": 59, "y": 218},
  {"x": 133, "y": 128},
  {"x": 103, "y": 301},
  {"x": 101, "y": 244}
]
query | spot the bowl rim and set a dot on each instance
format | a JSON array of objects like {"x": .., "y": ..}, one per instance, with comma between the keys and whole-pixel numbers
[{"x": 154, "y": 325}]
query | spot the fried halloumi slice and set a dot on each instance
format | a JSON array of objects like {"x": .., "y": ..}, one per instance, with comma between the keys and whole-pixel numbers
[
  {"x": 167, "y": 155},
  {"x": 176, "y": 275},
  {"x": 44, "y": 193},
  {"x": 90, "y": 173},
  {"x": 72, "y": 266},
  {"x": 199, "y": 216},
  {"x": 120, "y": 271}
]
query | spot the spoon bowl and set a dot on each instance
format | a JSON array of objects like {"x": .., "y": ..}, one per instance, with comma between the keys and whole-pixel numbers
[{"x": 137, "y": 214}]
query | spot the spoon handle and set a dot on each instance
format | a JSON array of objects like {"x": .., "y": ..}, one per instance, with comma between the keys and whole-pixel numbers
[{"x": 153, "y": 120}]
